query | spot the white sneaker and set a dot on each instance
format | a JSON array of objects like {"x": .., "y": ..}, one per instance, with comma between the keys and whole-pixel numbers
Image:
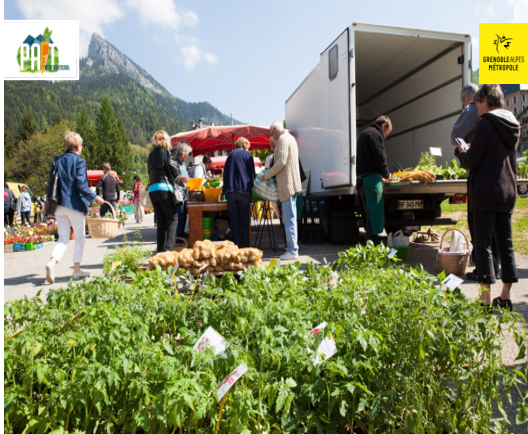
[
  {"x": 80, "y": 275},
  {"x": 283, "y": 246},
  {"x": 50, "y": 271},
  {"x": 289, "y": 256}
]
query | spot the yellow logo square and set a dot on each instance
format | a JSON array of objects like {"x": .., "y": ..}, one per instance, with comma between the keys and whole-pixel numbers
[{"x": 503, "y": 53}]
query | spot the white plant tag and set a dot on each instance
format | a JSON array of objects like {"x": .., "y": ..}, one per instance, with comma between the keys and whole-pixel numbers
[
  {"x": 275, "y": 262},
  {"x": 392, "y": 253},
  {"x": 327, "y": 349},
  {"x": 452, "y": 282},
  {"x": 211, "y": 338},
  {"x": 436, "y": 151},
  {"x": 231, "y": 379},
  {"x": 318, "y": 329}
]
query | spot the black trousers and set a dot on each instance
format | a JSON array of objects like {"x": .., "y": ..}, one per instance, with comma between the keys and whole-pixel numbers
[
  {"x": 494, "y": 250},
  {"x": 9, "y": 218},
  {"x": 238, "y": 206},
  {"x": 167, "y": 219},
  {"x": 105, "y": 208},
  {"x": 486, "y": 225}
]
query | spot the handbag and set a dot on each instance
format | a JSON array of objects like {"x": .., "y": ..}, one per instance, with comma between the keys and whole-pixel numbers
[
  {"x": 144, "y": 197},
  {"x": 267, "y": 190},
  {"x": 53, "y": 193},
  {"x": 178, "y": 195},
  {"x": 13, "y": 201}
]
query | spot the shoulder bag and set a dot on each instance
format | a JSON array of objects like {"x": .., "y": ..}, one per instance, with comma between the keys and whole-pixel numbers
[
  {"x": 53, "y": 193},
  {"x": 177, "y": 196}
]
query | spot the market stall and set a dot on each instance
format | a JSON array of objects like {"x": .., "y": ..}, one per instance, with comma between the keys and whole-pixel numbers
[
  {"x": 94, "y": 176},
  {"x": 222, "y": 138}
]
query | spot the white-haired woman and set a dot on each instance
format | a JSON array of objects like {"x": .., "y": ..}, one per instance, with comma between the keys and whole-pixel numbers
[
  {"x": 162, "y": 169},
  {"x": 182, "y": 152},
  {"x": 73, "y": 205}
]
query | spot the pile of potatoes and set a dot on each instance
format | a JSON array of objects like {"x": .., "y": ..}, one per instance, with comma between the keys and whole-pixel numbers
[{"x": 207, "y": 256}]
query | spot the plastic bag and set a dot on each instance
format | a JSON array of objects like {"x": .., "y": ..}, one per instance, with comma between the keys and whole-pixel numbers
[
  {"x": 397, "y": 240},
  {"x": 266, "y": 190},
  {"x": 458, "y": 244}
]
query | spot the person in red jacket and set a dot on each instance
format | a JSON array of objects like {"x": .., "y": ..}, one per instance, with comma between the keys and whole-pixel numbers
[
  {"x": 492, "y": 164},
  {"x": 138, "y": 209}
]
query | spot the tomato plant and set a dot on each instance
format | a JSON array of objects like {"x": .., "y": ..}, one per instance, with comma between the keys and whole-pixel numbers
[{"x": 110, "y": 356}]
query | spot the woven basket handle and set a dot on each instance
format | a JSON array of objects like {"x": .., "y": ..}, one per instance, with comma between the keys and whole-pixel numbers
[
  {"x": 112, "y": 208},
  {"x": 452, "y": 230}
]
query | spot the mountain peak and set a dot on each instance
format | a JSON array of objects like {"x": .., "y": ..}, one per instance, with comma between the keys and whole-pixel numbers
[{"x": 103, "y": 54}]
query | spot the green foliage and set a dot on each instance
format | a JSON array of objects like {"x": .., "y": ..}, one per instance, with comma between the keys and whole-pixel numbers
[
  {"x": 475, "y": 76},
  {"x": 31, "y": 163},
  {"x": 27, "y": 126},
  {"x": 131, "y": 255},
  {"x": 115, "y": 357}
]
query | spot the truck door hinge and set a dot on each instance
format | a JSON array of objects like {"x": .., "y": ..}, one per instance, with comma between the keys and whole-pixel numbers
[
  {"x": 351, "y": 52},
  {"x": 322, "y": 184}
]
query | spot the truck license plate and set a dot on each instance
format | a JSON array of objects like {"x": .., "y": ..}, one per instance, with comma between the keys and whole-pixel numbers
[{"x": 410, "y": 204}]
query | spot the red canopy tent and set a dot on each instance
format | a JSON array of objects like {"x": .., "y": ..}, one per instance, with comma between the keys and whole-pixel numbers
[
  {"x": 218, "y": 163},
  {"x": 94, "y": 175},
  {"x": 223, "y": 138}
]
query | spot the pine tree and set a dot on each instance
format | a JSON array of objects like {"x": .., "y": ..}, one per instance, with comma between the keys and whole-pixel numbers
[
  {"x": 123, "y": 156},
  {"x": 87, "y": 132},
  {"x": 107, "y": 134},
  {"x": 27, "y": 126}
]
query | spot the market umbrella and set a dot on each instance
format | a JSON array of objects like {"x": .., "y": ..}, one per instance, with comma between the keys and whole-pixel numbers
[
  {"x": 94, "y": 175},
  {"x": 223, "y": 138},
  {"x": 218, "y": 163}
]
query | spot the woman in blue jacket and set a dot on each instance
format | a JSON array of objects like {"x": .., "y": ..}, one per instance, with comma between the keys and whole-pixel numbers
[{"x": 73, "y": 205}]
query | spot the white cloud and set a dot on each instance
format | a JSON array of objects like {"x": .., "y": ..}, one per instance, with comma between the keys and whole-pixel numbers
[
  {"x": 91, "y": 15},
  {"x": 163, "y": 13},
  {"x": 490, "y": 9},
  {"x": 192, "y": 55},
  {"x": 210, "y": 58},
  {"x": 520, "y": 11}
]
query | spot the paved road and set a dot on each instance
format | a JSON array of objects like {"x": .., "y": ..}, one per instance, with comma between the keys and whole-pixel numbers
[{"x": 24, "y": 272}]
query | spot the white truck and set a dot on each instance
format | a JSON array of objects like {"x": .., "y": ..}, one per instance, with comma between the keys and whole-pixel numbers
[{"x": 412, "y": 76}]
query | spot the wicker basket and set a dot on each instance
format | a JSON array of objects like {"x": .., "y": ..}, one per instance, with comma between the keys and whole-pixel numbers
[
  {"x": 101, "y": 227},
  {"x": 180, "y": 247},
  {"x": 454, "y": 262}
]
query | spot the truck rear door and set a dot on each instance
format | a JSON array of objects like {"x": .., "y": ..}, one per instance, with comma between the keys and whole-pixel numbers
[{"x": 335, "y": 114}]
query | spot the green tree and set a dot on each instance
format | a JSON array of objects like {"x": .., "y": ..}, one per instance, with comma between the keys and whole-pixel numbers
[
  {"x": 107, "y": 134},
  {"x": 27, "y": 126},
  {"x": 32, "y": 163},
  {"x": 123, "y": 157},
  {"x": 88, "y": 133}
]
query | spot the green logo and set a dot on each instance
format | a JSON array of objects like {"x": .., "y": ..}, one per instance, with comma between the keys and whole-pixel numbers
[{"x": 39, "y": 54}]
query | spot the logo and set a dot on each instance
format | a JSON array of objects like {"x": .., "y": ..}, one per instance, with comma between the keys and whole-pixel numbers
[
  {"x": 39, "y": 54},
  {"x": 503, "y": 53},
  {"x": 501, "y": 40},
  {"x": 40, "y": 50}
]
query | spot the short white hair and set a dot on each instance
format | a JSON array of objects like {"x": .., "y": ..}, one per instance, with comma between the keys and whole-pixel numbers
[
  {"x": 470, "y": 89},
  {"x": 277, "y": 125}
]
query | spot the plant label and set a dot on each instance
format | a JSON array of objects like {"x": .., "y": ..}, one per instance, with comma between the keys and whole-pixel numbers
[
  {"x": 327, "y": 349},
  {"x": 318, "y": 329},
  {"x": 211, "y": 338},
  {"x": 275, "y": 262},
  {"x": 452, "y": 282},
  {"x": 115, "y": 264},
  {"x": 231, "y": 379},
  {"x": 392, "y": 253},
  {"x": 437, "y": 152}
]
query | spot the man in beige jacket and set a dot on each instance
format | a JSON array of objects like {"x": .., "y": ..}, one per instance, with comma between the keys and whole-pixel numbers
[{"x": 286, "y": 170}]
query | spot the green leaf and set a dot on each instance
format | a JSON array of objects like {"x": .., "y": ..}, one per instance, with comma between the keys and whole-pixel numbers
[
  {"x": 342, "y": 408},
  {"x": 291, "y": 383}
]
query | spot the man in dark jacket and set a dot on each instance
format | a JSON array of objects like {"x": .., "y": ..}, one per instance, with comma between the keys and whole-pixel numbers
[
  {"x": 492, "y": 164},
  {"x": 372, "y": 171},
  {"x": 108, "y": 188}
]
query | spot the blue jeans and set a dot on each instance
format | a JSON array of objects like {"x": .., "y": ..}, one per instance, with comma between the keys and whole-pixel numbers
[
  {"x": 238, "y": 212},
  {"x": 289, "y": 218},
  {"x": 182, "y": 218}
]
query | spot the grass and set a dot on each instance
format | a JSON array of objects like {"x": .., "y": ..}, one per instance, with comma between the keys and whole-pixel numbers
[{"x": 519, "y": 222}]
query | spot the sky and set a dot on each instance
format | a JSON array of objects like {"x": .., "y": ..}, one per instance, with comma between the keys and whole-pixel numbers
[{"x": 248, "y": 57}]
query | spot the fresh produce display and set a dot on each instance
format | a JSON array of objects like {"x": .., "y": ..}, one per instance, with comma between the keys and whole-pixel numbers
[
  {"x": 107, "y": 356},
  {"x": 34, "y": 234},
  {"x": 213, "y": 184},
  {"x": 208, "y": 256},
  {"x": 130, "y": 255},
  {"x": 452, "y": 170}
]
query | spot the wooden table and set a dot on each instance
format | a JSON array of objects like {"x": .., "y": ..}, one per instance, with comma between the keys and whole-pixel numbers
[{"x": 195, "y": 212}]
